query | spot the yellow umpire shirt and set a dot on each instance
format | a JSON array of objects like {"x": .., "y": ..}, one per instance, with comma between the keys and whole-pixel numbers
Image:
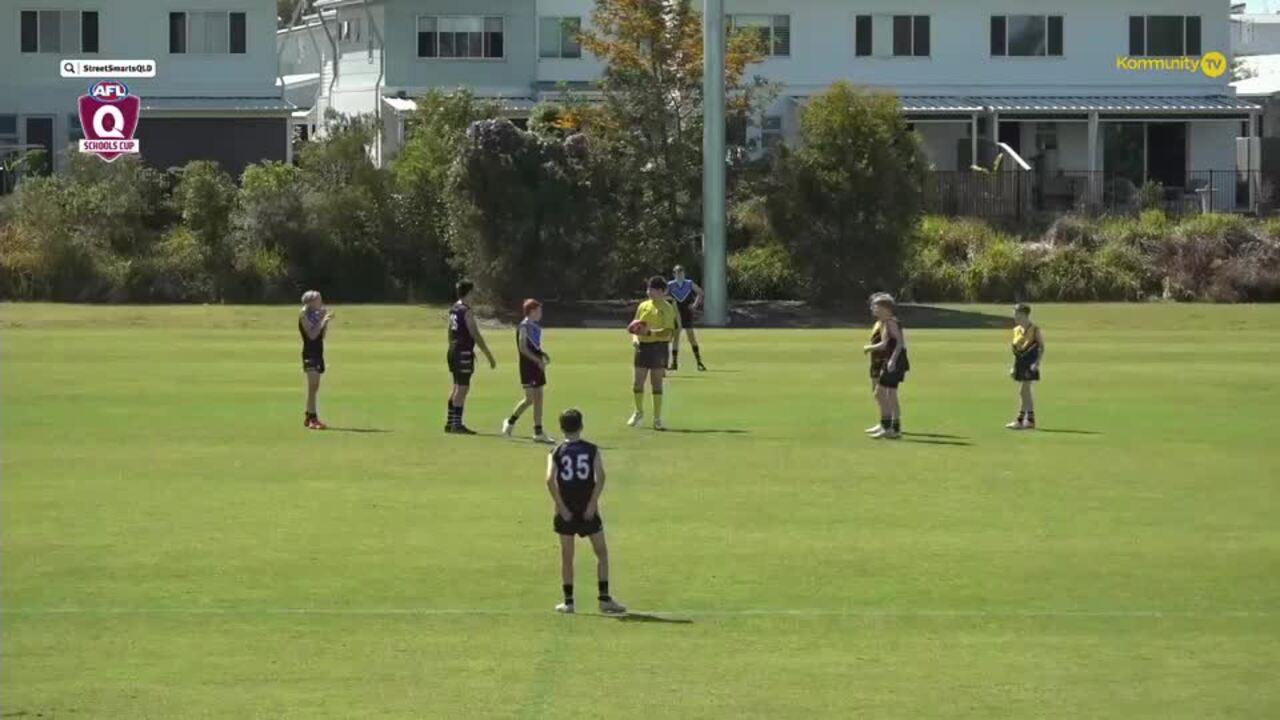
[{"x": 660, "y": 316}]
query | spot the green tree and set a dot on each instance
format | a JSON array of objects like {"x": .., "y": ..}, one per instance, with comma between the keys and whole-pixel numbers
[
  {"x": 650, "y": 123},
  {"x": 418, "y": 249},
  {"x": 848, "y": 199},
  {"x": 206, "y": 196}
]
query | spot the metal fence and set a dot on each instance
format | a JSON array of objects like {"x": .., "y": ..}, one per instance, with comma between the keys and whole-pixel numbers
[{"x": 1017, "y": 195}]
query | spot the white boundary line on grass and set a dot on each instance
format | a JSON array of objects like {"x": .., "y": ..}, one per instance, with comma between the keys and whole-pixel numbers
[{"x": 761, "y": 612}]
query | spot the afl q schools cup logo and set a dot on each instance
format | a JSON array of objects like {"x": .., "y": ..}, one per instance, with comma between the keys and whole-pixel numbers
[{"x": 109, "y": 118}]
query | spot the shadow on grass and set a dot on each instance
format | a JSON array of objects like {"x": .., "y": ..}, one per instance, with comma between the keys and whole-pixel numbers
[
  {"x": 1067, "y": 432},
  {"x": 935, "y": 436},
  {"x": 925, "y": 441},
  {"x": 703, "y": 431},
  {"x": 358, "y": 430},
  {"x": 640, "y": 617}
]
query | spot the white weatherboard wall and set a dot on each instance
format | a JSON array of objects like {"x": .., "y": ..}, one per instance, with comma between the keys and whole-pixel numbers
[
  {"x": 31, "y": 83},
  {"x": 510, "y": 76},
  {"x": 1094, "y": 33},
  {"x": 584, "y": 69}
]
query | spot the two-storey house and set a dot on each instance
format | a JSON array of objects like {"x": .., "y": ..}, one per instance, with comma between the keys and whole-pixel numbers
[
  {"x": 215, "y": 95},
  {"x": 1131, "y": 92}
]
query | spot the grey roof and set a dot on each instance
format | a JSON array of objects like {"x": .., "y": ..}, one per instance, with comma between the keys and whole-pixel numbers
[
  {"x": 1117, "y": 104},
  {"x": 939, "y": 104},
  {"x": 218, "y": 104}
]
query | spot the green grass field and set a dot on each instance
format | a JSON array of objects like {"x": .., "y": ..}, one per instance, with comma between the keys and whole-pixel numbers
[{"x": 175, "y": 545}]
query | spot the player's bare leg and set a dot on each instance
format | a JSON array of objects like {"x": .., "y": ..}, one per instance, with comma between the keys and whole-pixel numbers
[
  {"x": 313, "y": 390},
  {"x": 608, "y": 605},
  {"x": 697, "y": 351},
  {"x": 637, "y": 392},
  {"x": 656, "y": 379},
  {"x": 886, "y": 418},
  {"x": 534, "y": 396},
  {"x": 459, "y": 400},
  {"x": 895, "y": 414},
  {"x": 674, "y": 364},
  {"x": 1028, "y": 406},
  {"x": 525, "y": 403},
  {"x": 566, "y": 573}
]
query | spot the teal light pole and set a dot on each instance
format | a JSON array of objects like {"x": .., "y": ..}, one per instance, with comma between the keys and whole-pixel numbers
[{"x": 714, "y": 279}]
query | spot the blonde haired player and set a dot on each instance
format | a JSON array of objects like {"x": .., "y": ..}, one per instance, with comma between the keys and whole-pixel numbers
[
  {"x": 1028, "y": 352},
  {"x": 313, "y": 324},
  {"x": 889, "y": 366}
]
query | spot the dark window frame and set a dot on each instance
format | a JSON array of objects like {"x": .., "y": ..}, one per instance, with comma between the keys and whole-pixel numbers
[
  {"x": 863, "y": 35},
  {"x": 907, "y": 35},
  {"x": 1054, "y": 29},
  {"x": 1140, "y": 35},
  {"x": 492, "y": 43},
  {"x": 29, "y": 32}
]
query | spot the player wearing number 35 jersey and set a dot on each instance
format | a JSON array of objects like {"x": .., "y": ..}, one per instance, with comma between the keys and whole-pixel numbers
[{"x": 575, "y": 479}]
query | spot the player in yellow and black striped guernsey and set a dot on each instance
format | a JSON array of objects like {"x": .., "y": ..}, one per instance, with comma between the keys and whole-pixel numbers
[
  {"x": 1028, "y": 352},
  {"x": 652, "y": 345}
]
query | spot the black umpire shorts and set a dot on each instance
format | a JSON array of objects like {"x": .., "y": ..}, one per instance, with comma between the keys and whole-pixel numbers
[
  {"x": 462, "y": 365},
  {"x": 578, "y": 525},
  {"x": 652, "y": 355}
]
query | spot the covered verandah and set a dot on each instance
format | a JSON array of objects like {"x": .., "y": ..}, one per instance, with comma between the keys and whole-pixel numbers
[{"x": 1091, "y": 151}]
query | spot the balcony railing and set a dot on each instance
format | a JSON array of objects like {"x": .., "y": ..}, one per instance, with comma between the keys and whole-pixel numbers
[{"x": 1016, "y": 195}]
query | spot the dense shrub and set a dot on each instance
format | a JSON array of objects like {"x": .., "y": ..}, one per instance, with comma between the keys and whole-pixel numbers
[
  {"x": 764, "y": 272},
  {"x": 1068, "y": 273},
  {"x": 849, "y": 196}
]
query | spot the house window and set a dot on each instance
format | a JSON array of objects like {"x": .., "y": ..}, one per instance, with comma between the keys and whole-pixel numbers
[
  {"x": 1164, "y": 35},
  {"x": 558, "y": 37},
  {"x": 8, "y": 129},
  {"x": 207, "y": 33},
  {"x": 75, "y": 133},
  {"x": 774, "y": 31},
  {"x": 771, "y": 132},
  {"x": 911, "y": 35},
  {"x": 1026, "y": 36},
  {"x": 862, "y": 43},
  {"x": 460, "y": 36},
  {"x": 59, "y": 31}
]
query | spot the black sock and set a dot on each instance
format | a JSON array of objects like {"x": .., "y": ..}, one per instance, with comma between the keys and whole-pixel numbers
[
  {"x": 513, "y": 419},
  {"x": 311, "y": 416},
  {"x": 886, "y": 423},
  {"x": 1022, "y": 415},
  {"x": 675, "y": 357},
  {"x": 697, "y": 353},
  {"x": 897, "y": 424},
  {"x": 449, "y": 416},
  {"x": 604, "y": 590},
  {"x": 568, "y": 593},
  {"x": 537, "y": 429},
  {"x": 1031, "y": 418},
  {"x": 458, "y": 414}
]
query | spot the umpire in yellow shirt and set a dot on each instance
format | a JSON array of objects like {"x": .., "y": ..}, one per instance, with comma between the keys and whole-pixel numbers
[{"x": 652, "y": 348}]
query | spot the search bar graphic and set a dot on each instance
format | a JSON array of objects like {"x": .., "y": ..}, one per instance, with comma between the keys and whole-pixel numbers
[{"x": 107, "y": 68}]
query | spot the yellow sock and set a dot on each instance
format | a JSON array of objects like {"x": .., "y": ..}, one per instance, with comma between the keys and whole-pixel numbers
[
  {"x": 657, "y": 406},
  {"x": 639, "y": 397}
]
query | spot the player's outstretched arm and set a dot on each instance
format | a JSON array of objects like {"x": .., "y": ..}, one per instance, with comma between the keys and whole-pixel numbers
[
  {"x": 554, "y": 489},
  {"x": 593, "y": 505},
  {"x": 474, "y": 327},
  {"x": 313, "y": 330}
]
